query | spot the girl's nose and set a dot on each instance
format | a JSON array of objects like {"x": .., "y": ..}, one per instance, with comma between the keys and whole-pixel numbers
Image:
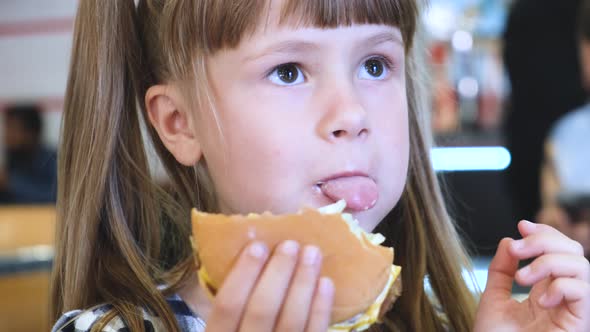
[{"x": 345, "y": 120}]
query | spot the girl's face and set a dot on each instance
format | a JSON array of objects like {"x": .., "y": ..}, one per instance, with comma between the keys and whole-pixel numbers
[{"x": 309, "y": 116}]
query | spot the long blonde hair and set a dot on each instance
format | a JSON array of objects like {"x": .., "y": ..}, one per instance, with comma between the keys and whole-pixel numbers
[{"x": 119, "y": 235}]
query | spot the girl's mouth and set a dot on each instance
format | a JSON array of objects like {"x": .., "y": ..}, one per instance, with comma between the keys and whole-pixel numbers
[{"x": 359, "y": 191}]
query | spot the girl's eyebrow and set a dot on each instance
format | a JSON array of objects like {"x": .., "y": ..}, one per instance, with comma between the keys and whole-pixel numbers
[
  {"x": 301, "y": 46},
  {"x": 383, "y": 37},
  {"x": 288, "y": 46}
]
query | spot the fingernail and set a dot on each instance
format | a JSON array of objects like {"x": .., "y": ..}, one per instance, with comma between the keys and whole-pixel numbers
[
  {"x": 517, "y": 244},
  {"x": 289, "y": 248},
  {"x": 326, "y": 286},
  {"x": 257, "y": 250},
  {"x": 529, "y": 224},
  {"x": 310, "y": 255}
]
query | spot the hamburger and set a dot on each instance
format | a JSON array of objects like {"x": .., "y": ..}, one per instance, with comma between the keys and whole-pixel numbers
[{"x": 365, "y": 279}]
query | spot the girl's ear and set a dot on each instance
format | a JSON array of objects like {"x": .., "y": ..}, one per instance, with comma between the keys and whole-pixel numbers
[{"x": 172, "y": 120}]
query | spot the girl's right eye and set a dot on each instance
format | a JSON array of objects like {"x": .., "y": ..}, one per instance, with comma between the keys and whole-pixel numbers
[{"x": 286, "y": 74}]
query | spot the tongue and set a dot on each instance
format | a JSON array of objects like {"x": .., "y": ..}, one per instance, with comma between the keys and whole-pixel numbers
[{"x": 359, "y": 192}]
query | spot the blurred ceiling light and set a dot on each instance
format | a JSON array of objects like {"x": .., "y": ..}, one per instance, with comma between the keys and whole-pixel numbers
[
  {"x": 453, "y": 159},
  {"x": 468, "y": 87},
  {"x": 439, "y": 20},
  {"x": 462, "y": 41}
]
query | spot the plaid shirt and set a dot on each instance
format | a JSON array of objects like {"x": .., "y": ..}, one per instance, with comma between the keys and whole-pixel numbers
[{"x": 83, "y": 320}]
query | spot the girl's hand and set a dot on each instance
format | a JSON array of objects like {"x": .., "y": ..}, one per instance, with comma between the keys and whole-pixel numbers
[
  {"x": 280, "y": 293},
  {"x": 559, "y": 219},
  {"x": 560, "y": 275}
]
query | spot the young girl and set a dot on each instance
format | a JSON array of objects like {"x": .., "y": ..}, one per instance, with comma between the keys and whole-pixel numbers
[{"x": 267, "y": 105}]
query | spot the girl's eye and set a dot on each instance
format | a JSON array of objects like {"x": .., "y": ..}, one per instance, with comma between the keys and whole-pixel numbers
[
  {"x": 375, "y": 69},
  {"x": 286, "y": 74}
]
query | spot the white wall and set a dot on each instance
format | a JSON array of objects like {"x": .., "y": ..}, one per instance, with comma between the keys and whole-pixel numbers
[
  {"x": 35, "y": 43},
  {"x": 24, "y": 10}
]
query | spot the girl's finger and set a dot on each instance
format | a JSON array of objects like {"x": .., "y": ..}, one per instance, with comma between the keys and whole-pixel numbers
[
  {"x": 501, "y": 271},
  {"x": 576, "y": 294},
  {"x": 269, "y": 293},
  {"x": 233, "y": 295},
  {"x": 296, "y": 308},
  {"x": 527, "y": 228},
  {"x": 556, "y": 266},
  {"x": 546, "y": 242},
  {"x": 321, "y": 307}
]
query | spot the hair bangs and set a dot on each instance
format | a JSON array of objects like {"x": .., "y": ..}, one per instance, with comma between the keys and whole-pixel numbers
[
  {"x": 225, "y": 23},
  {"x": 402, "y": 14}
]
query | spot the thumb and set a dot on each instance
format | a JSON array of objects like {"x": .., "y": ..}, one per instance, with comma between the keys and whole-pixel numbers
[{"x": 502, "y": 270}]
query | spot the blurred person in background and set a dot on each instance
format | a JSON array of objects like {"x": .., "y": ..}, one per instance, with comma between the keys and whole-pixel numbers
[
  {"x": 565, "y": 176},
  {"x": 30, "y": 171},
  {"x": 542, "y": 60}
]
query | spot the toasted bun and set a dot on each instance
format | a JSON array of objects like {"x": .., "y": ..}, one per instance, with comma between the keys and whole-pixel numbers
[{"x": 361, "y": 270}]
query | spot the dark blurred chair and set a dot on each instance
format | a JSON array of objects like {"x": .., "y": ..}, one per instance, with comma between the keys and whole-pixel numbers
[{"x": 29, "y": 175}]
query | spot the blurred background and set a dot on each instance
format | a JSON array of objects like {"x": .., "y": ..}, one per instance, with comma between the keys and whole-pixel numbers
[{"x": 503, "y": 72}]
